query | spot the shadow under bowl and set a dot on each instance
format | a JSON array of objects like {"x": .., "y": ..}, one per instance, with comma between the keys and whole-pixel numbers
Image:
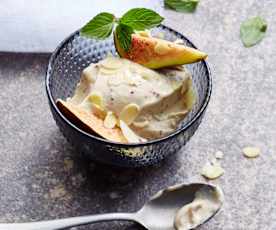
[{"x": 63, "y": 73}]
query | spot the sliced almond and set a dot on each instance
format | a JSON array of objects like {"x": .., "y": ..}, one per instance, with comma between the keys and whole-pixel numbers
[
  {"x": 251, "y": 152},
  {"x": 129, "y": 134},
  {"x": 105, "y": 71},
  {"x": 98, "y": 111},
  {"x": 111, "y": 63},
  {"x": 129, "y": 113},
  {"x": 110, "y": 120},
  {"x": 96, "y": 98},
  {"x": 141, "y": 124},
  {"x": 161, "y": 48},
  {"x": 212, "y": 170}
]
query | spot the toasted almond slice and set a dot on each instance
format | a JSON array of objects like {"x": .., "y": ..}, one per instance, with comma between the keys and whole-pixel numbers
[
  {"x": 89, "y": 122},
  {"x": 141, "y": 124},
  {"x": 129, "y": 134},
  {"x": 161, "y": 48},
  {"x": 96, "y": 98},
  {"x": 110, "y": 120},
  {"x": 212, "y": 170},
  {"x": 111, "y": 63},
  {"x": 98, "y": 111},
  {"x": 129, "y": 113},
  {"x": 106, "y": 71},
  {"x": 251, "y": 152}
]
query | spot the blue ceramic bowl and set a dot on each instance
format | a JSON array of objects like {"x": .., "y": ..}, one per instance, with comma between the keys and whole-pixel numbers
[{"x": 63, "y": 73}]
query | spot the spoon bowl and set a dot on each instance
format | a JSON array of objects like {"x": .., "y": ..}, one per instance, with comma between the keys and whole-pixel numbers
[{"x": 160, "y": 211}]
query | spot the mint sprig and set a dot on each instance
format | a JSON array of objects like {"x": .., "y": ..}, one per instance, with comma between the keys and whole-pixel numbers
[
  {"x": 141, "y": 19},
  {"x": 102, "y": 25},
  {"x": 182, "y": 5},
  {"x": 123, "y": 33}
]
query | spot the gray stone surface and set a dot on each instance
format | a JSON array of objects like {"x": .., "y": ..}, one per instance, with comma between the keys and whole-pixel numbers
[{"x": 42, "y": 177}]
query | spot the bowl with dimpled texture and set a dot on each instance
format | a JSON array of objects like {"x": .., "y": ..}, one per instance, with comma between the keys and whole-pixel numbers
[{"x": 63, "y": 73}]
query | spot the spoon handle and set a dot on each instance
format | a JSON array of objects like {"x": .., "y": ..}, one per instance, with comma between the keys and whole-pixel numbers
[{"x": 68, "y": 222}]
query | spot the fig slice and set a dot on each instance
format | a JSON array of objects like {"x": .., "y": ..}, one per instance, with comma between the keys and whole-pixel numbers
[{"x": 89, "y": 122}]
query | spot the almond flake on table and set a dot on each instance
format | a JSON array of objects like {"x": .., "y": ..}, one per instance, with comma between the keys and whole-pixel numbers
[
  {"x": 219, "y": 154},
  {"x": 212, "y": 170},
  {"x": 251, "y": 152}
]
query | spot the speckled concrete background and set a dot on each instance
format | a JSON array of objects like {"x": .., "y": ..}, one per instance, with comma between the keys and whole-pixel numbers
[{"x": 42, "y": 177}]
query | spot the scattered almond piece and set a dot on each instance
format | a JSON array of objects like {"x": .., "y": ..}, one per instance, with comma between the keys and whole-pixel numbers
[
  {"x": 219, "y": 155},
  {"x": 212, "y": 170},
  {"x": 251, "y": 152},
  {"x": 110, "y": 120}
]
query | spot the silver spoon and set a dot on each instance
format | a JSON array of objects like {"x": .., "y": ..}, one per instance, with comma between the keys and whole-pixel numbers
[{"x": 157, "y": 214}]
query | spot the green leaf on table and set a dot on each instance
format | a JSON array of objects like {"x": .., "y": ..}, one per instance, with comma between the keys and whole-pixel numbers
[
  {"x": 123, "y": 33},
  {"x": 100, "y": 26},
  {"x": 182, "y": 5},
  {"x": 141, "y": 19},
  {"x": 252, "y": 31}
]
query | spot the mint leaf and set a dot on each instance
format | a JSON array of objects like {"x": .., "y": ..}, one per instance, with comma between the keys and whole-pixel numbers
[
  {"x": 123, "y": 33},
  {"x": 182, "y": 5},
  {"x": 100, "y": 26},
  {"x": 141, "y": 19},
  {"x": 252, "y": 31}
]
